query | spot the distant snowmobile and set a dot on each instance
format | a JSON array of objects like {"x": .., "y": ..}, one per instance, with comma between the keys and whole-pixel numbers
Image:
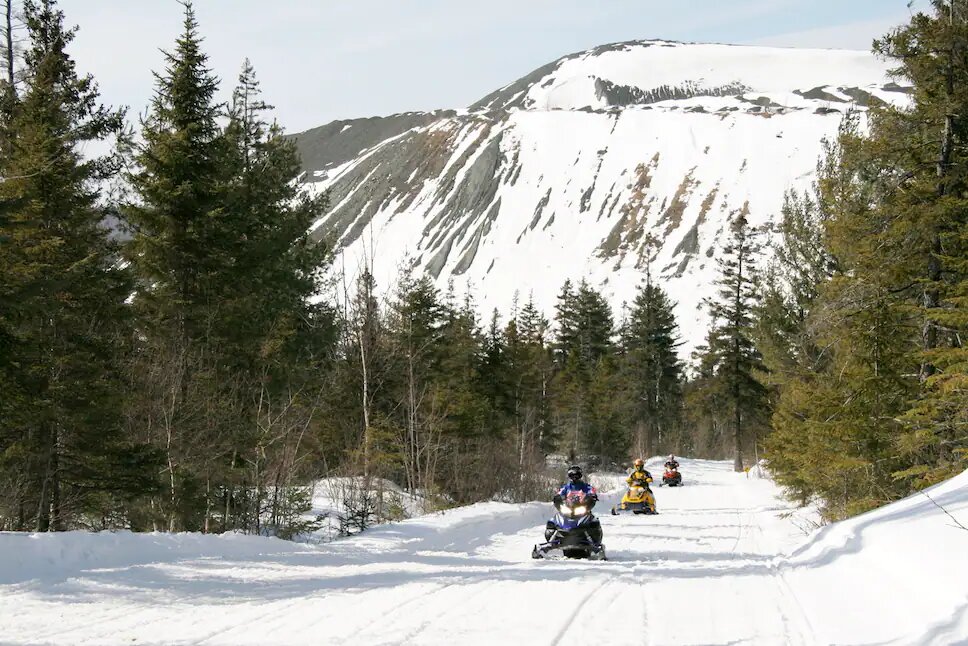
[
  {"x": 637, "y": 500},
  {"x": 672, "y": 477},
  {"x": 570, "y": 533}
]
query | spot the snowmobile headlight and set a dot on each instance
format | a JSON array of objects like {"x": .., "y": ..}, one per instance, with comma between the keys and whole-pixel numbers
[{"x": 578, "y": 511}]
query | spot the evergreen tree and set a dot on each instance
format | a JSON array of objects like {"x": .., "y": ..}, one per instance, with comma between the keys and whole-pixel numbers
[
  {"x": 275, "y": 342},
  {"x": 839, "y": 342},
  {"x": 836, "y": 428},
  {"x": 234, "y": 352},
  {"x": 416, "y": 326},
  {"x": 606, "y": 429},
  {"x": 653, "y": 370},
  {"x": 585, "y": 325},
  {"x": 66, "y": 336},
  {"x": 531, "y": 366},
  {"x": 890, "y": 321},
  {"x": 584, "y": 340},
  {"x": 182, "y": 251},
  {"x": 273, "y": 267},
  {"x": 790, "y": 287},
  {"x": 596, "y": 326},
  {"x": 496, "y": 375},
  {"x": 928, "y": 229},
  {"x": 469, "y": 440},
  {"x": 567, "y": 322},
  {"x": 705, "y": 401},
  {"x": 180, "y": 247},
  {"x": 737, "y": 363}
]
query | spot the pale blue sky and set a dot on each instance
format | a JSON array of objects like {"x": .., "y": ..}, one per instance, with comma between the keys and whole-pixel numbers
[{"x": 321, "y": 60}]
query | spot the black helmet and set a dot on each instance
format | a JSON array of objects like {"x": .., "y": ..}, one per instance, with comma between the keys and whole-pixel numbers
[{"x": 575, "y": 473}]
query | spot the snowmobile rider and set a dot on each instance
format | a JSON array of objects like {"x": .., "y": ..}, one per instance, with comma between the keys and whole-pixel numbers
[
  {"x": 639, "y": 473},
  {"x": 577, "y": 483},
  {"x": 672, "y": 464}
]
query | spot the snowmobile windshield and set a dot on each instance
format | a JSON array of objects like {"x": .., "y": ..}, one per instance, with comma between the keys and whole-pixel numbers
[{"x": 575, "y": 504}]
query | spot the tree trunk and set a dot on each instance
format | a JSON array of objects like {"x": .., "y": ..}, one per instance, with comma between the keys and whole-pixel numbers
[
  {"x": 737, "y": 442},
  {"x": 738, "y": 431},
  {"x": 931, "y": 298},
  {"x": 366, "y": 416},
  {"x": 208, "y": 506},
  {"x": 43, "y": 523},
  {"x": 258, "y": 492},
  {"x": 413, "y": 458},
  {"x": 56, "y": 499},
  {"x": 21, "y": 512},
  {"x": 171, "y": 482},
  {"x": 43, "y": 507},
  {"x": 649, "y": 448},
  {"x": 228, "y": 506},
  {"x": 9, "y": 44}
]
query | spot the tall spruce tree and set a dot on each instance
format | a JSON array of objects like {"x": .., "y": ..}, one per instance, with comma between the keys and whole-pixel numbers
[
  {"x": 468, "y": 438},
  {"x": 416, "y": 326},
  {"x": 932, "y": 54},
  {"x": 735, "y": 358},
  {"x": 274, "y": 341},
  {"x": 273, "y": 267},
  {"x": 800, "y": 266},
  {"x": 179, "y": 248},
  {"x": 531, "y": 366},
  {"x": 11, "y": 401},
  {"x": 496, "y": 374},
  {"x": 584, "y": 340},
  {"x": 68, "y": 332},
  {"x": 233, "y": 351},
  {"x": 183, "y": 251},
  {"x": 653, "y": 370},
  {"x": 705, "y": 400}
]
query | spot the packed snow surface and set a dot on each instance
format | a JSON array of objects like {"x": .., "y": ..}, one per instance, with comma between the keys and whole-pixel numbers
[{"x": 720, "y": 564}]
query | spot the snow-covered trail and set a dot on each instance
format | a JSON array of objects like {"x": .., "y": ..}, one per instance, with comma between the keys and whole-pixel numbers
[{"x": 709, "y": 569}]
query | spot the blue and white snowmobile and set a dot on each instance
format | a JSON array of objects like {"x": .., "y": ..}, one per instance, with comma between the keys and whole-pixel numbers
[{"x": 573, "y": 532}]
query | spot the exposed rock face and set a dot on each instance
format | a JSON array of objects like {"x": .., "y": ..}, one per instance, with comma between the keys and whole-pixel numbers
[
  {"x": 567, "y": 172},
  {"x": 342, "y": 141},
  {"x": 625, "y": 95}
]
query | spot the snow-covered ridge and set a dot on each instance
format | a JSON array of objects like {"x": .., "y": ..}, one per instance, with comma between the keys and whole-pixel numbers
[
  {"x": 653, "y": 71},
  {"x": 563, "y": 173}
]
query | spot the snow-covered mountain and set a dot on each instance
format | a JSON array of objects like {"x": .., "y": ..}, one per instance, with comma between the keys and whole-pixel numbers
[{"x": 564, "y": 173}]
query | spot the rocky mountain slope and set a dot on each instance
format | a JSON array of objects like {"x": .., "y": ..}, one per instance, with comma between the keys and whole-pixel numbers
[{"x": 565, "y": 172}]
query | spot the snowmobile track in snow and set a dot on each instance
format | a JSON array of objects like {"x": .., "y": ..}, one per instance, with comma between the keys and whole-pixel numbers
[
  {"x": 718, "y": 566},
  {"x": 576, "y": 613}
]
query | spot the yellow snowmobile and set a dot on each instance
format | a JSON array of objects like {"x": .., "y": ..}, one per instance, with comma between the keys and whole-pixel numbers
[{"x": 637, "y": 500}]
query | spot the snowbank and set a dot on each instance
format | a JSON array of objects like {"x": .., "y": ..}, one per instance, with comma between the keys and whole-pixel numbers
[
  {"x": 907, "y": 562},
  {"x": 58, "y": 556},
  {"x": 333, "y": 497}
]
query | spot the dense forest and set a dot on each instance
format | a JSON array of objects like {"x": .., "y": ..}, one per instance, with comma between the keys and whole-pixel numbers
[{"x": 167, "y": 361}]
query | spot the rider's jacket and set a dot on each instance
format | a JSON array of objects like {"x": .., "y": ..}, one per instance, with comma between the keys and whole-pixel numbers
[
  {"x": 583, "y": 487},
  {"x": 672, "y": 464},
  {"x": 638, "y": 475}
]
